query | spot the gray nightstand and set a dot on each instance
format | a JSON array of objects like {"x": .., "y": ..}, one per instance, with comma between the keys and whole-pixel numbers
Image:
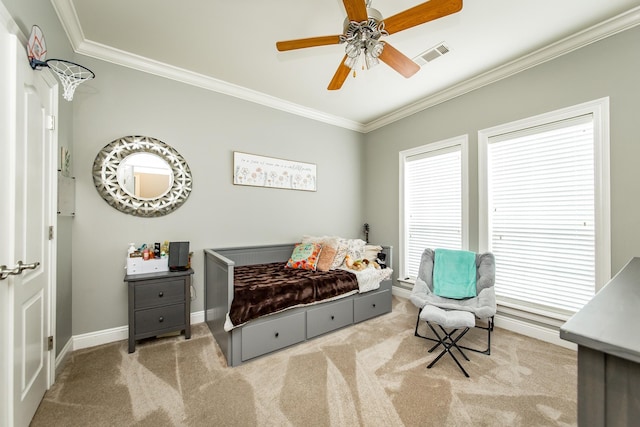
[{"x": 159, "y": 303}]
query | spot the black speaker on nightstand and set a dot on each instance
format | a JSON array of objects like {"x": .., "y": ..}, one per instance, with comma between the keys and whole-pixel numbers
[{"x": 178, "y": 256}]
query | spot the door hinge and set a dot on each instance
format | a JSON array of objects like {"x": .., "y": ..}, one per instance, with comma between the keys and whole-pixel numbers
[
  {"x": 50, "y": 343},
  {"x": 51, "y": 122},
  {"x": 51, "y": 232}
]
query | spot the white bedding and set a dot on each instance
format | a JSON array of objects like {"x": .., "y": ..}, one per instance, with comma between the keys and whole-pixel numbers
[{"x": 370, "y": 278}]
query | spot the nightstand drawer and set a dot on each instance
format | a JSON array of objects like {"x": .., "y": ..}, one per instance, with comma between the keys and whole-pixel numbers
[
  {"x": 157, "y": 293},
  {"x": 158, "y": 319},
  {"x": 330, "y": 317}
]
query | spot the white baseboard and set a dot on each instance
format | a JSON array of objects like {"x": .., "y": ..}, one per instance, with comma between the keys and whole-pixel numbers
[
  {"x": 120, "y": 333},
  {"x": 533, "y": 331},
  {"x": 197, "y": 317},
  {"x": 105, "y": 336},
  {"x": 400, "y": 292},
  {"x": 514, "y": 325},
  {"x": 61, "y": 357}
]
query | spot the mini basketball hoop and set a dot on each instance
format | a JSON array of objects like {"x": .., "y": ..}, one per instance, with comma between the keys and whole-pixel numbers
[
  {"x": 69, "y": 73},
  {"x": 36, "y": 48}
]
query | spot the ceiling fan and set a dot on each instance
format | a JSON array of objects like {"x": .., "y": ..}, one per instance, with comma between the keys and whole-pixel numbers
[{"x": 363, "y": 28}]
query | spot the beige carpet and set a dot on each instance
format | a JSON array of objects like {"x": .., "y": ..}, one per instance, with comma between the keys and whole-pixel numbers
[{"x": 370, "y": 374}]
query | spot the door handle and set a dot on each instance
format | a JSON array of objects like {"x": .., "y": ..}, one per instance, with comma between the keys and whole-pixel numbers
[{"x": 19, "y": 268}]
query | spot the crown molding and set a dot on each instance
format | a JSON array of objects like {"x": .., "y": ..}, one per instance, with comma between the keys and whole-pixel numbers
[
  {"x": 583, "y": 38},
  {"x": 109, "y": 54},
  {"x": 69, "y": 20}
]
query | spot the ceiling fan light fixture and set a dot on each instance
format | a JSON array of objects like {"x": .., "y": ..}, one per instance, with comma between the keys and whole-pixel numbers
[
  {"x": 352, "y": 50},
  {"x": 363, "y": 38},
  {"x": 374, "y": 47},
  {"x": 351, "y": 61},
  {"x": 370, "y": 60}
]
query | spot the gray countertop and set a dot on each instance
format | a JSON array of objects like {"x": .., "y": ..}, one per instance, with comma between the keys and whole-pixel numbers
[{"x": 610, "y": 321}]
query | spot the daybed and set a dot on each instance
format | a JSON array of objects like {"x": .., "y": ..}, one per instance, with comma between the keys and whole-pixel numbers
[{"x": 272, "y": 332}]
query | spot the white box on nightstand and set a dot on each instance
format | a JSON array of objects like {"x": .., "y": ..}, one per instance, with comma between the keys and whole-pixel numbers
[{"x": 140, "y": 266}]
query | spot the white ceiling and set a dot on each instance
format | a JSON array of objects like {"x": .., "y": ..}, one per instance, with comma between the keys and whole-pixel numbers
[{"x": 229, "y": 47}]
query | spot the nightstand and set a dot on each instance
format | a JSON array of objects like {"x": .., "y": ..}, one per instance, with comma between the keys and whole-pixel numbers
[{"x": 159, "y": 303}]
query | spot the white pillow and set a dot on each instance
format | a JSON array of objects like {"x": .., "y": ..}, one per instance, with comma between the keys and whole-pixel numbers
[{"x": 371, "y": 252}]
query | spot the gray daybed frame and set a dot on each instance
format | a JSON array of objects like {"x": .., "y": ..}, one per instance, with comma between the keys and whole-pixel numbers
[{"x": 276, "y": 331}]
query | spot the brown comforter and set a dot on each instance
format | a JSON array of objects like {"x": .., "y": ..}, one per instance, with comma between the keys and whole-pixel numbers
[{"x": 267, "y": 288}]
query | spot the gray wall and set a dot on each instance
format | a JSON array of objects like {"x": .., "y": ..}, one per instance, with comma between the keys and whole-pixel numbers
[
  {"x": 27, "y": 13},
  {"x": 610, "y": 67},
  {"x": 205, "y": 127}
]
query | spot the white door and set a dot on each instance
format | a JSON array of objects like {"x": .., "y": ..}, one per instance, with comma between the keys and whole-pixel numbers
[
  {"x": 5, "y": 228},
  {"x": 32, "y": 155}
]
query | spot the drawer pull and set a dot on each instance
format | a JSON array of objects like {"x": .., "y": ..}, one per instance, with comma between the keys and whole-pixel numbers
[
  {"x": 333, "y": 317},
  {"x": 277, "y": 334},
  {"x": 161, "y": 294},
  {"x": 374, "y": 306},
  {"x": 161, "y": 319}
]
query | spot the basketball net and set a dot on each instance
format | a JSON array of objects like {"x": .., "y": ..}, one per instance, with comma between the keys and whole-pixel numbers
[{"x": 70, "y": 75}]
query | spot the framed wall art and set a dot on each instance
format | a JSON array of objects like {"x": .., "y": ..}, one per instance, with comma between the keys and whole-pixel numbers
[{"x": 260, "y": 171}]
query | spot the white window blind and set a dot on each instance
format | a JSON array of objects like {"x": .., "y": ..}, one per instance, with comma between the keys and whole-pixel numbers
[
  {"x": 542, "y": 214},
  {"x": 433, "y": 204}
]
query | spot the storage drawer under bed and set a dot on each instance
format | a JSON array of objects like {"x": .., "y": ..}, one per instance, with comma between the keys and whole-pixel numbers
[
  {"x": 329, "y": 317},
  {"x": 371, "y": 305},
  {"x": 271, "y": 335}
]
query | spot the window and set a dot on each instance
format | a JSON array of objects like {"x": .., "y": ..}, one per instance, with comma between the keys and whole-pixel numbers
[
  {"x": 544, "y": 208},
  {"x": 433, "y": 183}
]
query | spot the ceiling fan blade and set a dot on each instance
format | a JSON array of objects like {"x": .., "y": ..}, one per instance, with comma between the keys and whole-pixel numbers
[
  {"x": 340, "y": 76},
  {"x": 420, "y": 14},
  {"x": 309, "y": 42},
  {"x": 356, "y": 10},
  {"x": 398, "y": 61}
]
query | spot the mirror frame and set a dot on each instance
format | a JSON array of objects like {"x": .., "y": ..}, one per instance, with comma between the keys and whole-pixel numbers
[{"x": 105, "y": 179}]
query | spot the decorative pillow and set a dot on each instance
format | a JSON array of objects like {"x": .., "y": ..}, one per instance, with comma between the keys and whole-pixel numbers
[
  {"x": 355, "y": 248},
  {"x": 327, "y": 255},
  {"x": 305, "y": 256},
  {"x": 371, "y": 252},
  {"x": 341, "y": 252}
]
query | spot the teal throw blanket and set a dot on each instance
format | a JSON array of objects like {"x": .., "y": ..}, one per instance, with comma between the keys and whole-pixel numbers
[{"x": 454, "y": 274}]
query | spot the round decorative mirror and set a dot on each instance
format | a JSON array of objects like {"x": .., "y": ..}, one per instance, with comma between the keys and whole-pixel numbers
[{"x": 142, "y": 176}]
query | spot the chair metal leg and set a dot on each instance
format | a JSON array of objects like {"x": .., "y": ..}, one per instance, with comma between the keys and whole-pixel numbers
[
  {"x": 418, "y": 324},
  {"x": 448, "y": 342},
  {"x": 447, "y": 336},
  {"x": 489, "y": 329}
]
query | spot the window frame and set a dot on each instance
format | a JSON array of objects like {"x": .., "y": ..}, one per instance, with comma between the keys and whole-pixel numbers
[
  {"x": 461, "y": 141},
  {"x": 599, "y": 109}
]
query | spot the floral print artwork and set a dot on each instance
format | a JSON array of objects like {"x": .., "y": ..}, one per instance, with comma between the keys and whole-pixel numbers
[{"x": 276, "y": 173}]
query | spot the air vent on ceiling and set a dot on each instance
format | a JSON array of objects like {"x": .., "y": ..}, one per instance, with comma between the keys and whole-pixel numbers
[{"x": 431, "y": 54}]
